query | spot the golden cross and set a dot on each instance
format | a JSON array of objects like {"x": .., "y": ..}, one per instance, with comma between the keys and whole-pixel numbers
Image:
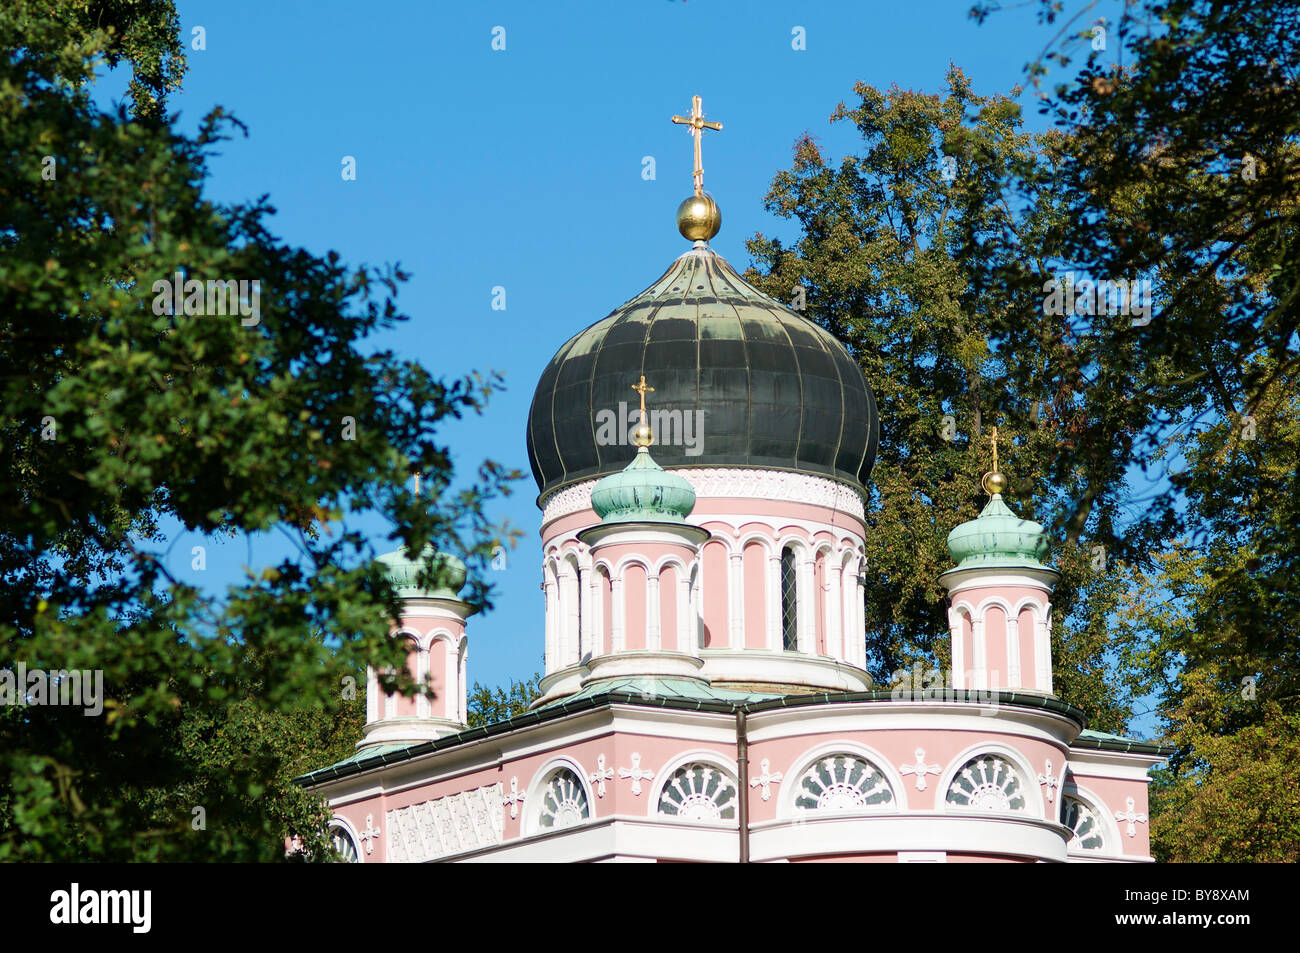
[
  {"x": 642, "y": 389},
  {"x": 698, "y": 125},
  {"x": 995, "y": 449},
  {"x": 417, "y": 484}
]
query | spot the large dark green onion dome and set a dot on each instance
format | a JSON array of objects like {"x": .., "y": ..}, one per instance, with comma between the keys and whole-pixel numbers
[{"x": 773, "y": 389}]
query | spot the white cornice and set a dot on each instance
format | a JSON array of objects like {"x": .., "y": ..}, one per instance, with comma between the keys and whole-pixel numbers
[{"x": 731, "y": 483}]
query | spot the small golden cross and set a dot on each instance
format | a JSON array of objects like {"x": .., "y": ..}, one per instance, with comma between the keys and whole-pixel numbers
[
  {"x": 642, "y": 389},
  {"x": 698, "y": 125},
  {"x": 995, "y": 449}
]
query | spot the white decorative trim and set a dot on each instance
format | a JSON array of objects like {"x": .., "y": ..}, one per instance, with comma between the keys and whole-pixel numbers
[
  {"x": 731, "y": 483},
  {"x": 922, "y": 857},
  {"x": 1049, "y": 779},
  {"x": 765, "y": 778},
  {"x": 514, "y": 798},
  {"x": 921, "y": 769},
  {"x": 447, "y": 825},
  {"x": 371, "y": 833},
  {"x": 600, "y": 776},
  {"x": 1130, "y": 815},
  {"x": 636, "y": 773}
]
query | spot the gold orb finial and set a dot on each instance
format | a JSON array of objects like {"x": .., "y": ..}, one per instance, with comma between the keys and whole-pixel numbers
[
  {"x": 993, "y": 482},
  {"x": 699, "y": 218}
]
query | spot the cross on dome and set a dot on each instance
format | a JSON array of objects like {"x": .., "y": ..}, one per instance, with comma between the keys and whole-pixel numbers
[{"x": 697, "y": 124}]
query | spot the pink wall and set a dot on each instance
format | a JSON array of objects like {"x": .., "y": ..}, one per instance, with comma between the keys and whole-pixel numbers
[
  {"x": 634, "y": 601},
  {"x": 668, "y": 621},
  {"x": 755, "y": 563},
  {"x": 714, "y": 588},
  {"x": 1028, "y": 660}
]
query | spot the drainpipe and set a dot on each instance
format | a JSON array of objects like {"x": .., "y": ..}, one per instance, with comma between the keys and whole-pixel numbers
[{"x": 742, "y": 770}]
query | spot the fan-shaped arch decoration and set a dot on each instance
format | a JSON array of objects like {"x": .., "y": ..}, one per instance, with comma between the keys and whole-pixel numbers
[
  {"x": 842, "y": 782},
  {"x": 345, "y": 845},
  {"x": 699, "y": 792},
  {"x": 563, "y": 802},
  {"x": 988, "y": 783},
  {"x": 1079, "y": 818}
]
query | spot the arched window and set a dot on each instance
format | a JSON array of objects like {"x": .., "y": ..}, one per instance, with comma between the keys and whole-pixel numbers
[
  {"x": 1083, "y": 823},
  {"x": 699, "y": 792},
  {"x": 344, "y": 844},
  {"x": 563, "y": 801},
  {"x": 789, "y": 602},
  {"x": 987, "y": 783},
  {"x": 842, "y": 782}
]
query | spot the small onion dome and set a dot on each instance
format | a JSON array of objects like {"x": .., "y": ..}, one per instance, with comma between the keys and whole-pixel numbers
[
  {"x": 401, "y": 572},
  {"x": 642, "y": 492},
  {"x": 997, "y": 537}
]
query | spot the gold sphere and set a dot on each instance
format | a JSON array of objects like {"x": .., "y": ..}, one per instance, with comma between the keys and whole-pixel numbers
[
  {"x": 993, "y": 483},
  {"x": 699, "y": 218},
  {"x": 643, "y": 436}
]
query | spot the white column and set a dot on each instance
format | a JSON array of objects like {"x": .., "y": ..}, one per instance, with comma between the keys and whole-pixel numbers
[
  {"x": 1043, "y": 650},
  {"x": 463, "y": 666},
  {"x": 569, "y": 613},
  {"x": 685, "y": 617},
  {"x": 653, "y": 637},
  {"x": 451, "y": 684},
  {"x": 422, "y": 673},
  {"x": 859, "y": 616},
  {"x": 595, "y": 614},
  {"x": 835, "y": 607},
  {"x": 806, "y": 616},
  {"x": 553, "y": 658},
  {"x": 736, "y": 594},
  {"x": 697, "y": 609},
  {"x": 1013, "y": 651},
  {"x": 616, "y": 624},
  {"x": 981, "y": 673},
  {"x": 958, "y": 650},
  {"x": 372, "y": 695},
  {"x": 773, "y": 600}
]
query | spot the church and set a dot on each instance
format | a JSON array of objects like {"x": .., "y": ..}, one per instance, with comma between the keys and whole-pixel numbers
[{"x": 706, "y": 696}]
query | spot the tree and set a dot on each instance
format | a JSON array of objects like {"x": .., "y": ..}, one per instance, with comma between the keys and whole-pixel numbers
[
  {"x": 1184, "y": 166},
  {"x": 899, "y": 247},
  {"x": 487, "y": 706},
  {"x": 226, "y": 409}
]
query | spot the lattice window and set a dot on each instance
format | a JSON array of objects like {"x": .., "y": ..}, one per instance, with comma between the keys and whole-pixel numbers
[
  {"x": 345, "y": 845},
  {"x": 988, "y": 783},
  {"x": 699, "y": 792},
  {"x": 564, "y": 802},
  {"x": 789, "y": 602},
  {"x": 842, "y": 782},
  {"x": 1078, "y": 817}
]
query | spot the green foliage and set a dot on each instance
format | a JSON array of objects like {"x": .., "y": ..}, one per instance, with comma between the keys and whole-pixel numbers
[
  {"x": 487, "y": 706},
  {"x": 898, "y": 262},
  {"x": 119, "y": 421},
  {"x": 1182, "y": 164}
]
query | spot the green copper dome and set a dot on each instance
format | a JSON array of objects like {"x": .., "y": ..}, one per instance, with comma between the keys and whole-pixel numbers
[
  {"x": 997, "y": 537},
  {"x": 642, "y": 492},
  {"x": 448, "y": 573}
]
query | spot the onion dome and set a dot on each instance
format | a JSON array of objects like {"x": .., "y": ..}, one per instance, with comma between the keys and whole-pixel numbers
[
  {"x": 401, "y": 572},
  {"x": 741, "y": 381},
  {"x": 997, "y": 537},
  {"x": 643, "y": 492}
]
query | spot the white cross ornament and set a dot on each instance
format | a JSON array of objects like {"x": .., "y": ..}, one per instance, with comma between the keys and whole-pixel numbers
[
  {"x": 1048, "y": 778},
  {"x": 635, "y": 773},
  {"x": 765, "y": 778},
  {"x": 370, "y": 834},
  {"x": 1130, "y": 815},
  {"x": 920, "y": 769},
  {"x": 600, "y": 776},
  {"x": 514, "y": 798}
]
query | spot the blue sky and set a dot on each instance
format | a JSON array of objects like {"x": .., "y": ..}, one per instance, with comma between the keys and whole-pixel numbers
[{"x": 522, "y": 168}]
